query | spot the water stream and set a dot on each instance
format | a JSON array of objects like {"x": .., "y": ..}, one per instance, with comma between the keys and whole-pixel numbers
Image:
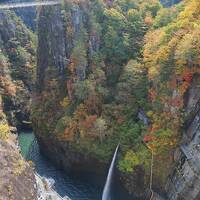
[{"x": 75, "y": 187}]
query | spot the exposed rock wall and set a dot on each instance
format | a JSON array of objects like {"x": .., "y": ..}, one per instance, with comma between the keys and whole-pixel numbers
[
  {"x": 70, "y": 73},
  {"x": 60, "y": 32},
  {"x": 51, "y": 47},
  {"x": 17, "y": 180},
  {"x": 17, "y": 68},
  {"x": 55, "y": 53},
  {"x": 16, "y": 177},
  {"x": 73, "y": 85},
  {"x": 66, "y": 157},
  {"x": 184, "y": 182},
  {"x": 28, "y": 15}
]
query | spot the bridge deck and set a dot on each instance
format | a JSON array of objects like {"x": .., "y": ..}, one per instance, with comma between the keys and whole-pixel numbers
[{"x": 29, "y": 4}]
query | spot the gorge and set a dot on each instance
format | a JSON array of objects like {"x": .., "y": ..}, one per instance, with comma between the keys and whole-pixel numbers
[
  {"x": 91, "y": 75},
  {"x": 65, "y": 185}
]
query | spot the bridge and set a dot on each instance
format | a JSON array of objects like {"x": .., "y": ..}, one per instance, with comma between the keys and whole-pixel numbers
[{"x": 29, "y": 4}]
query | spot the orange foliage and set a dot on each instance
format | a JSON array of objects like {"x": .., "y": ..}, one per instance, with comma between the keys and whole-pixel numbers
[
  {"x": 93, "y": 104},
  {"x": 8, "y": 85},
  {"x": 120, "y": 120},
  {"x": 148, "y": 19},
  {"x": 187, "y": 75},
  {"x": 152, "y": 94},
  {"x": 148, "y": 138},
  {"x": 187, "y": 78},
  {"x": 173, "y": 83},
  {"x": 175, "y": 101},
  {"x": 69, "y": 88},
  {"x": 72, "y": 67},
  {"x": 184, "y": 87},
  {"x": 88, "y": 123},
  {"x": 80, "y": 113},
  {"x": 68, "y": 134}
]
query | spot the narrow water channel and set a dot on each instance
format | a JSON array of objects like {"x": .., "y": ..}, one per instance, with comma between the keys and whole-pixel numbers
[
  {"x": 65, "y": 185},
  {"x": 77, "y": 188}
]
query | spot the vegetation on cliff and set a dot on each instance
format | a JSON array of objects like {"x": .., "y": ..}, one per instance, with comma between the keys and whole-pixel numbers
[
  {"x": 17, "y": 65},
  {"x": 17, "y": 58},
  {"x": 171, "y": 55},
  {"x": 106, "y": 81},
  {"x": 123, "y": 76}
]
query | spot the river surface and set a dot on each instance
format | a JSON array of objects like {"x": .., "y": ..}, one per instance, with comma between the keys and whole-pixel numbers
[
  {"x": 65, "y": 185},
  {"x": 77, "y": 188}
]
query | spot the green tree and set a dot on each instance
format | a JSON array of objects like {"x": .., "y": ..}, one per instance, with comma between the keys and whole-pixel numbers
[{"x": 100, "y": 127}]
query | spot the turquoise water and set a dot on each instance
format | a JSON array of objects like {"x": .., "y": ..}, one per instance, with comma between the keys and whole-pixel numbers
[
  {"x": 77, "y": 188},
  {"x": 25, "y": 140}
]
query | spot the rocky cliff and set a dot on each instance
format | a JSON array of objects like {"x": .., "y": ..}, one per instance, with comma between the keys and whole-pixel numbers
[
  {"x": 55, "y": 46},
  {"x": 75, "y": 107},
  {"x": 16, "y": 70},
  {"x": 17, "y": 53},
  {"x": 28, "y": 15},
  {"x": 184, "y": 182},
  {"x": 95, "y": 89},
  {"x": 17, "y": 177}
]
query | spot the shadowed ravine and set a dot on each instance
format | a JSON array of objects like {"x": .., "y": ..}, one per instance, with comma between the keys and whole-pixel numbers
[
  {"x": 77, "y": 188},
  {"x": 64, "y": 184}
]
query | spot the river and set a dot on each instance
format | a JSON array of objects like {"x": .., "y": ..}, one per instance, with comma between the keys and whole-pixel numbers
[{"x": 77, "y": 188}]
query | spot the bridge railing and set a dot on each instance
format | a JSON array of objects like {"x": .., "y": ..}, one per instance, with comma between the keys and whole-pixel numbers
[{"x": 29, "y": 4}]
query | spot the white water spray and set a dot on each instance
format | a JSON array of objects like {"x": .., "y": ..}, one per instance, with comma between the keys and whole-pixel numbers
[{"x": 107, "y": 187}]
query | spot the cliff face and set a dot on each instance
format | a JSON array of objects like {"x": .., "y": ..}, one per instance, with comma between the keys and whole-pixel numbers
[
  {"x": 91, "y": 91},
  {"x": 16, "y": 69},
  {"x": 28, "y": 15},
  {"x": 184, "y": 181},
  {"x": 17, "y": 178},
  {"x": 175, "y": 95},
  {"x": 76, "y": 99},
  {"x": 55, "y": 48}
]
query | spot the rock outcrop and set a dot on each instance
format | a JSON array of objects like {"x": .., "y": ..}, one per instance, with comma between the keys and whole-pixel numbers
[
  {"x": 184, "y": 181},
  {"x": 28, "y": 15},
  {"x": 76, "y": 100},
  {"x": 17, "y": 177},
  {"x": 63, "y": 33},
  {"x": 75, "y": 109},
  {"x": 17, "y": 51},
  {"x": 17, "y": 180}
]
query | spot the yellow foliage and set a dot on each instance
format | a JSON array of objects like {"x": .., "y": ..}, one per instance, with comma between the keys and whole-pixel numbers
[
  {"x": 65, "y": 102},
  {"x": 4, "y": 131},
  {"x": 148, "y": 19},
  {"x": 19, "y": 167}
]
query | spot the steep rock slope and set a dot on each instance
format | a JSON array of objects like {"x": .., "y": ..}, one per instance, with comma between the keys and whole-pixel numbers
[
  {"x": 184, "y": 182},
  {"x": 16, "y": 177},
  {"x": 28, "y": 15},
  {"x": 17, "y": 53},
  {"x": 172, "y": 57},
  {"x": 92, "y": 87},
  {"x": 17, "y": 180},
  {"x": 93, "y": 90}
]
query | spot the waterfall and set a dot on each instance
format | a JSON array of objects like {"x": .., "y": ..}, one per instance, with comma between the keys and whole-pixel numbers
[{"x": 107, "y": 187}]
